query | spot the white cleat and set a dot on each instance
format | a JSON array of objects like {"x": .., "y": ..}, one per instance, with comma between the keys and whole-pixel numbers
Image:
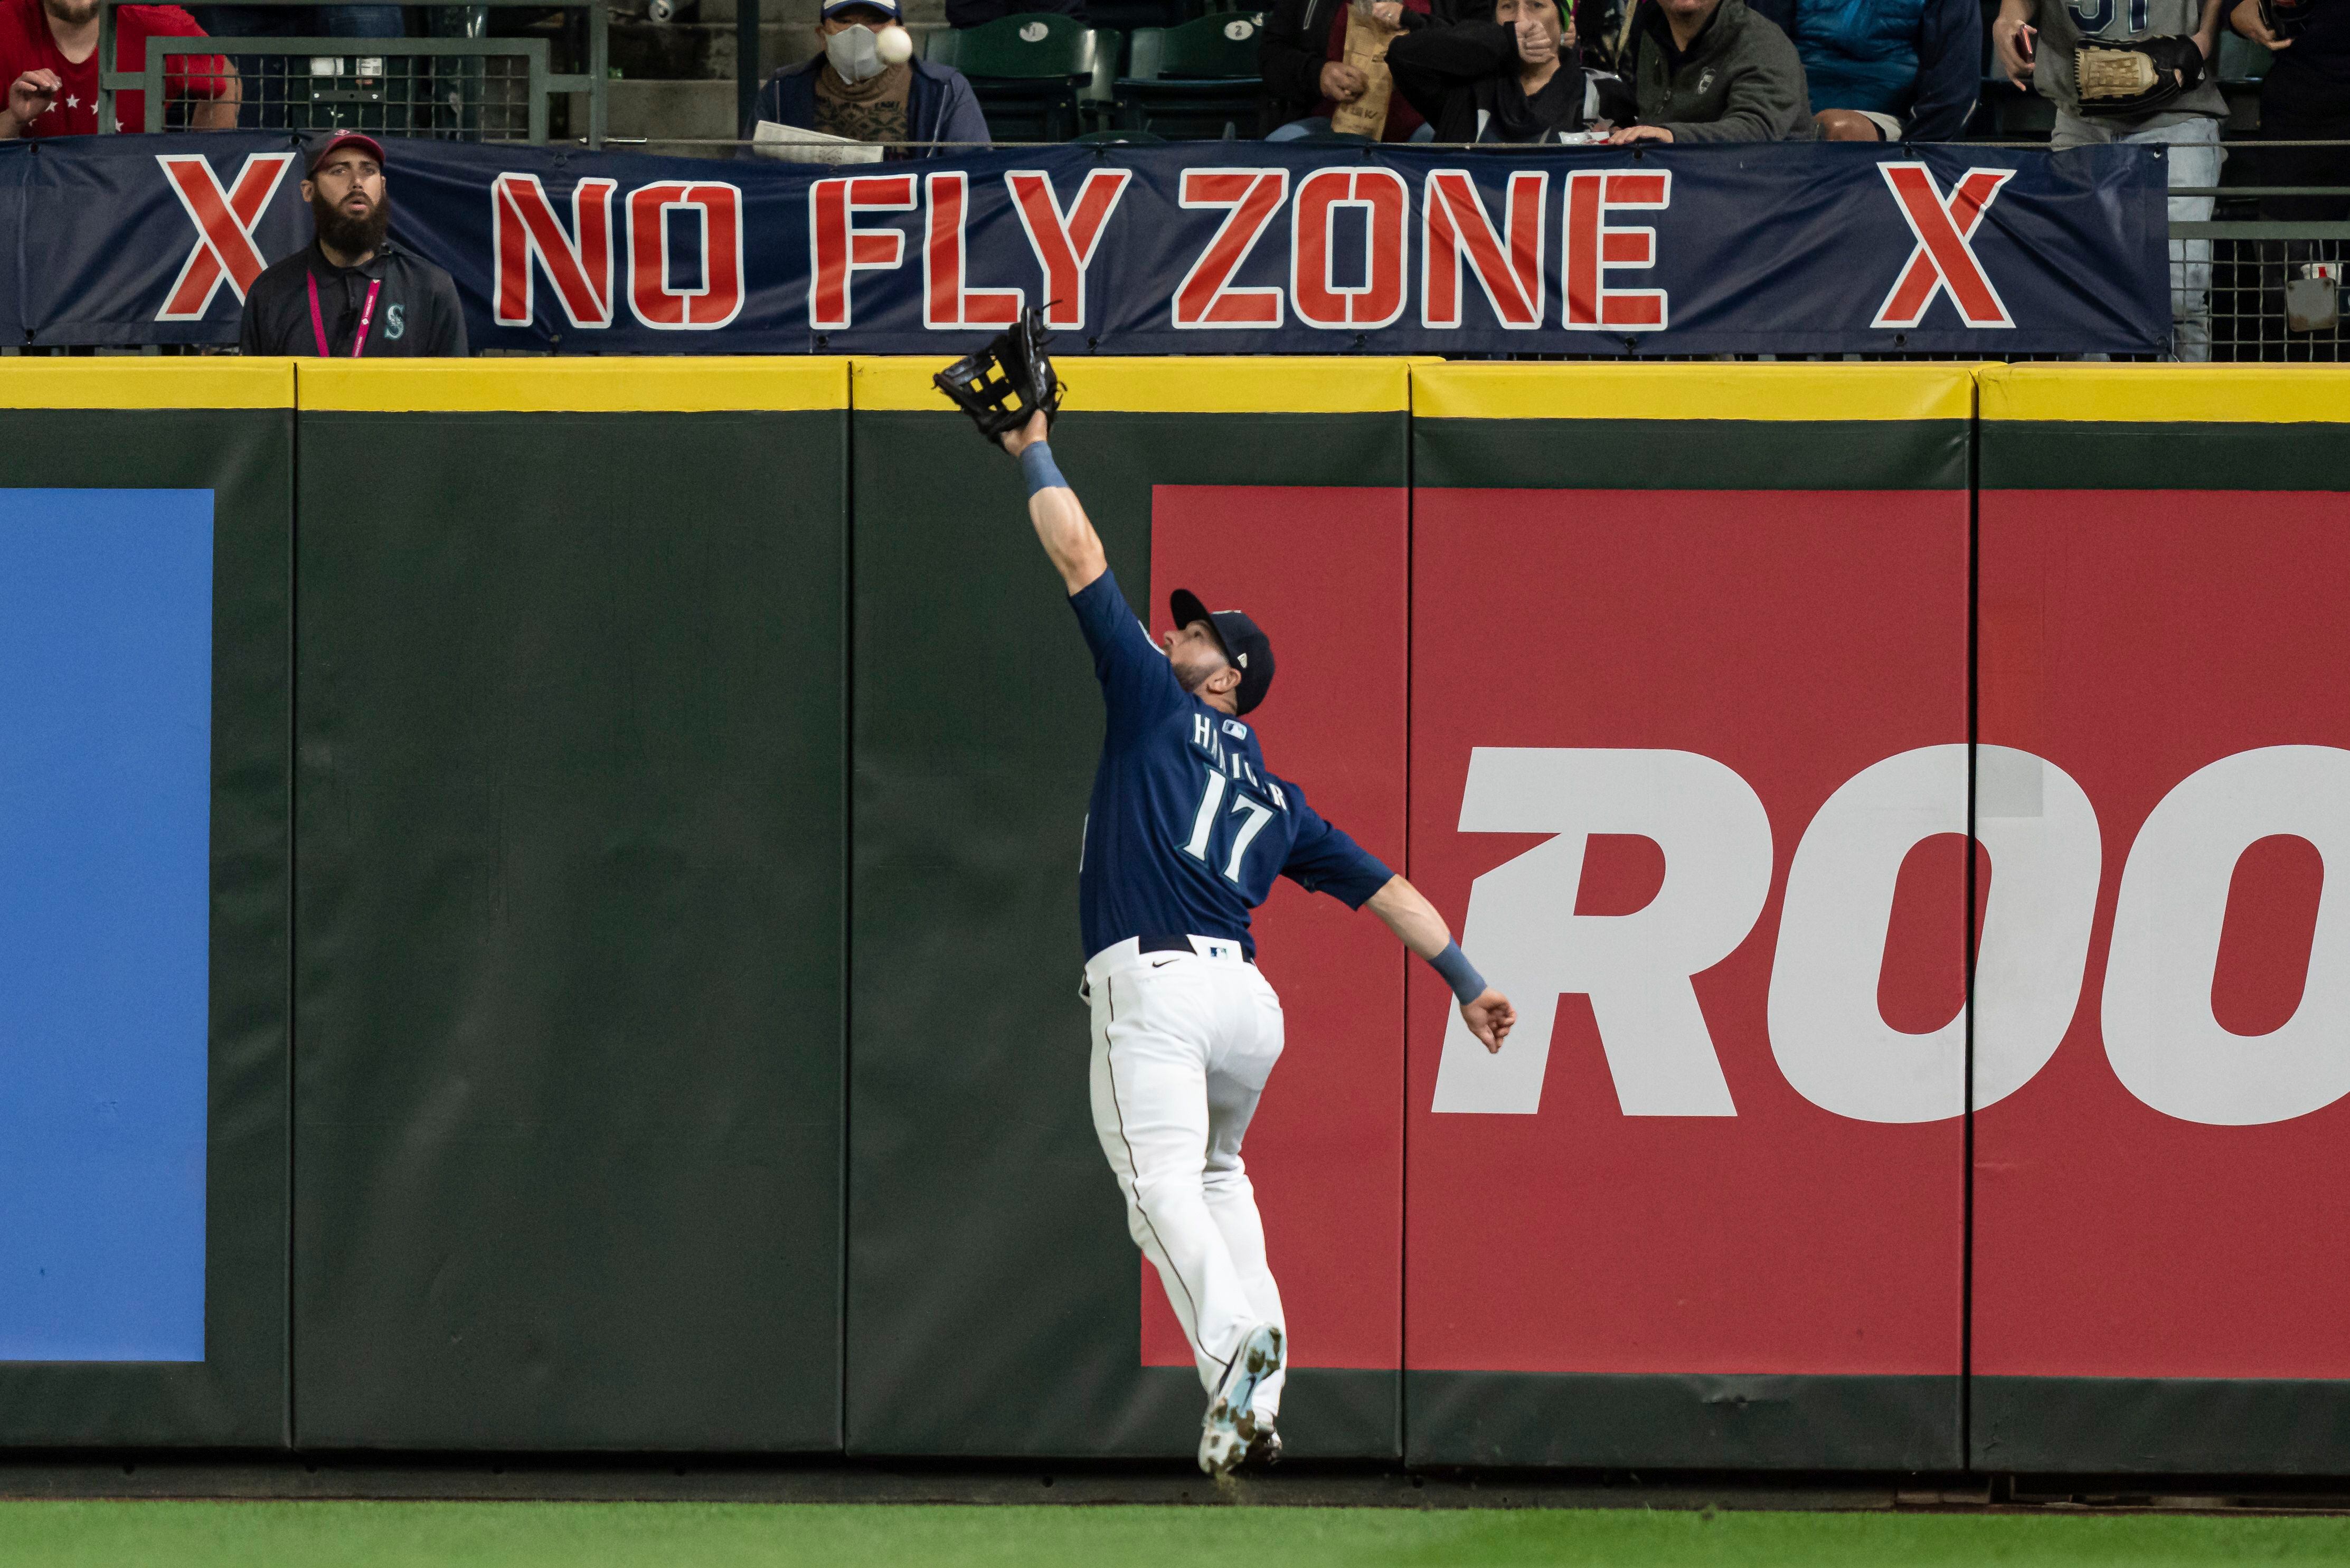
[{"x": 1230, "y": 1425}]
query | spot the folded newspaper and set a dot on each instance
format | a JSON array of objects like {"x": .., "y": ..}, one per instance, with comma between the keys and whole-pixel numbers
[{"x": 792, "y": 145}]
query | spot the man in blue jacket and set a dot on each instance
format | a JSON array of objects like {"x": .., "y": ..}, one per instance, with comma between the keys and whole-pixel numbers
[
  {"x": 1887, "y": 70},
  {"x": 866, "y": 86}
]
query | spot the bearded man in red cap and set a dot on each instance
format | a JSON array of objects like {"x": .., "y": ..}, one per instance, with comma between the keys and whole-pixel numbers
[{"x": 352, "y": 291}]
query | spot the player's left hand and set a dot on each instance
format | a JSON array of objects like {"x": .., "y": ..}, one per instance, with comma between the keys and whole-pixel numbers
[
  {"x": 1490, "y": 1018},
  {"x": 1028, "y": 435}
]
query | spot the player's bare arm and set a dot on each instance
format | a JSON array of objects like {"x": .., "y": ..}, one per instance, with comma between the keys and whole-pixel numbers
[
  {"x": 1062, "y": 525},
  {"x": 1407, "y": 913}
]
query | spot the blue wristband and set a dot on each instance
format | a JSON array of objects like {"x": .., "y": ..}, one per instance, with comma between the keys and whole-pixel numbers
[
  {"x": 1459, "y": 974},
  {"x": 1036, "y": 463}
]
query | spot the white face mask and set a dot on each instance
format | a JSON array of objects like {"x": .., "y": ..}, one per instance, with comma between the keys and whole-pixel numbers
[{"x": 855, "y": 53}]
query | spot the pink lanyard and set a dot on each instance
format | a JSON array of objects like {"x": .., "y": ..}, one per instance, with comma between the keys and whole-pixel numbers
[{"x": 318, "y": 322}]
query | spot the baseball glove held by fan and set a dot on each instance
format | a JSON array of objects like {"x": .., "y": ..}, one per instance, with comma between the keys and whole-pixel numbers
[
  {"x": 2285, "y": 18},
  {"x": 2136, "y": 77},
  {"x": 1005, "y": 382}
]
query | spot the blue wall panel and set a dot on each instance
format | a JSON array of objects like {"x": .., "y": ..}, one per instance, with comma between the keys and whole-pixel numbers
[{"x": 106, "y": 701}]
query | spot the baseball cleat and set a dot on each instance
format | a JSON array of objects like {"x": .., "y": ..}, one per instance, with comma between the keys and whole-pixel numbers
[
  {"x": 1264, "y": 1448},
  {"x": 1230, "y": 1427}
]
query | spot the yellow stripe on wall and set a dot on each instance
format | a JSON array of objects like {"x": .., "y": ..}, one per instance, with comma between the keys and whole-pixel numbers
[
  {"x": 2168, "y": 394},
  {"x": 618, "y": 384},
  {"x": 135, "y": 382},
  {"x": 1609, "y": 390},
  {"x": 1119, "y": 384}
]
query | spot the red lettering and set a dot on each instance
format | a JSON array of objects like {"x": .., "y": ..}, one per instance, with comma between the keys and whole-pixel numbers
[
  {"x": 1378, "y": 299},
  {"x": 1455, "y": 225},
  {"x": 839, "y": 250},
  {"x": 1944, "y": 258},
  {"x": 225, "y": 222},
  {"x": 653, "y": 298},
  {"x": 1592, "y": 246},
  {"x": 946, "y": 303},
  {"x": 1206, "y": 298},
  {"x": 1065, "y": 242},
  {"x": 578, "y": 265}
]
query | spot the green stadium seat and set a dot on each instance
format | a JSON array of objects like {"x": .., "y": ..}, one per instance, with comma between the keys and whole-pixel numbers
[
  {"x": 1030, "y": 71},
  {"x": 1196, "y": 81}
]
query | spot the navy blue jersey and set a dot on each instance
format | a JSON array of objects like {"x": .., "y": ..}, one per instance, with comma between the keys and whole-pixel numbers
[{"x": 1187, "y": 826}]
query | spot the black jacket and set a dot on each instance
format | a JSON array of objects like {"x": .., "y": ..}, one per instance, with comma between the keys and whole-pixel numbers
[
  {"x": 416, "y": 313},
  {"x": 1292, "y": 49},
  {"x": 1465, "y": 81}
]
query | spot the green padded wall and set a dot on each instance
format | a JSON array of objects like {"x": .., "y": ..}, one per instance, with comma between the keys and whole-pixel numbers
[{"x": 570, "y": 862}]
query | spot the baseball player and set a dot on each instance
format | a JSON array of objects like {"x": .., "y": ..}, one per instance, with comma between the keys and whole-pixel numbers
[{"x": 1185, "y": 833}]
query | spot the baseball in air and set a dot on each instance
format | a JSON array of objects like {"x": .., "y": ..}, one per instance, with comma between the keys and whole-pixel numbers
[{"x": 896, "y": 45}]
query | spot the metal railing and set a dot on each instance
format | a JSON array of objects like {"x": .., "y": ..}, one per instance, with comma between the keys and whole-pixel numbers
[{"x": 474, "y": 88}]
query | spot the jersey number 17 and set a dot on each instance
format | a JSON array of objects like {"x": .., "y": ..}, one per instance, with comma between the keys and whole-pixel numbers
[{"x": 1203, "y": 826}]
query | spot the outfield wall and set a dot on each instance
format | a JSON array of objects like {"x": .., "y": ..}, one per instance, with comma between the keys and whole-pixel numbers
[{"x": 641, "y": 950}]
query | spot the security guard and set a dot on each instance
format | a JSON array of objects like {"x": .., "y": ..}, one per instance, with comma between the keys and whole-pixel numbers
[{"x": 351, "y": 291}]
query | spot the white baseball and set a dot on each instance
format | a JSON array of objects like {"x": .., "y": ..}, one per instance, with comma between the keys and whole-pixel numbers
[{"x": 896, "y": 45}]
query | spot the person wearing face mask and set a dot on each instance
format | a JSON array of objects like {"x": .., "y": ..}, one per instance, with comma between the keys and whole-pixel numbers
[
  {"x": 1512, "y": 78},
  {"x": 867, "y": 86}
]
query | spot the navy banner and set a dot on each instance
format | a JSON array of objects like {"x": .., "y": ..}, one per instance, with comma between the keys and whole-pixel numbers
[{"x": 1197, "y": 248}]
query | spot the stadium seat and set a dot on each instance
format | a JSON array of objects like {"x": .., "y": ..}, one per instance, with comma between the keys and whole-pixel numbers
[
  {"x": 1029, "y": 71},
  {"x": 1196, "y": 81},
  {"x": 1115, "y": 135}
]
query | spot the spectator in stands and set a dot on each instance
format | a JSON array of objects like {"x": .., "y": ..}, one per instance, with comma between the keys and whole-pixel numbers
[
  {"x": 1302, "y": 55},
  {"x": 1712, "y": 70},
  {"x": 48, "y": 58},
  {"x": 1513, "y": 78},
  {"x": 849, "y": 90},
  {"x": 979, "y": 12},
  {"x": 2304, "y": 97},
  {"x": 351, "y": 291},
  {"x": 1886, "y": 70},
  {"x": 2036, "y": 40}
]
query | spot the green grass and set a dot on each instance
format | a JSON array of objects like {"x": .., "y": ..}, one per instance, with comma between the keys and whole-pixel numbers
[{"x": 708, "y": 1535}]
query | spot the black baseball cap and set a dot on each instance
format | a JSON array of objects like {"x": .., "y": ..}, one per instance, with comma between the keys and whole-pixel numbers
[
  {"x": 1250, "y": 651},
  {"x": 318, "y": 145}
]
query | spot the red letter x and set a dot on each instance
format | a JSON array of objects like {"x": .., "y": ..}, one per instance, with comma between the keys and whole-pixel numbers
[
  {"x": 225, "y": 222},
  {"x": 1943, "y": 258}
]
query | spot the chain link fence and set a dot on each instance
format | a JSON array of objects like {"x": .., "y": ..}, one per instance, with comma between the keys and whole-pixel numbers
[{"x": 466, "y": 80}]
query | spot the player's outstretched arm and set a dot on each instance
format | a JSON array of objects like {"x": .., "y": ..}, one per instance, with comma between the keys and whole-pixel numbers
[
  {"x": 1407, "y": 913},
  {"x": 1062, "y": 525}
]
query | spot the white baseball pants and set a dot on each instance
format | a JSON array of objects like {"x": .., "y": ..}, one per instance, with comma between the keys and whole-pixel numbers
[{"x": 1183, "y": 1043}]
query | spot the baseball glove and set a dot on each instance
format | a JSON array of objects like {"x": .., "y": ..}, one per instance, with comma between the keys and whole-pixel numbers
[
  {"x": 2284, "y": 18},
  {"x": 1023, "y": 379},
  {"x": 2136, "y": 77}
]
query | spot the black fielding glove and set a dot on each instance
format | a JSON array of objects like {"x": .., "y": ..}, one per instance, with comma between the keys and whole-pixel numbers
[{"x": 1023, "y": 381}]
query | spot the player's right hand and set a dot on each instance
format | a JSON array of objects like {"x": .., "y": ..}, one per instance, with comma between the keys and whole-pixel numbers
[
  {"x": 1037, "y": 428},
  {"x": 31, "y": 95},
  {"x": 2011, "y": 40},
  {"x": 1490, "y": 1018}
]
